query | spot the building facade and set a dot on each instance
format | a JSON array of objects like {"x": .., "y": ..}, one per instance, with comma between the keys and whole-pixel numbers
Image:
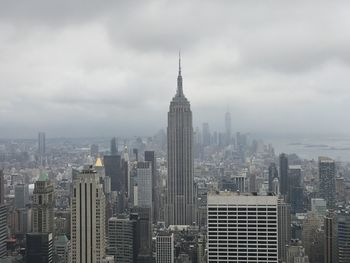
[
  {"x": 327, "y": 180},
  {"x": 180, "y": 200},
  {"x": 43, "y": 206},
  {"x": 88, "y": 218},
  {"x": 242, "y": 228}
]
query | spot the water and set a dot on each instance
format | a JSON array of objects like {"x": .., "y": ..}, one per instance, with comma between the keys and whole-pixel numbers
[{"x": 310, "y": 147}]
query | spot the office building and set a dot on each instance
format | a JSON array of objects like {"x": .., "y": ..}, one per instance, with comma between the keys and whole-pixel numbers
[
  {"x": 273, "y": 173},
  {"x": 327, "y": 180},
  {"x": 180, "y": 208},
  {"x": 3, "y": 230},
  {"x": 228, "y": 128},
  {"x": 94, "y": 150},
  {"x": 62, "y": 249},
  {"x": 150, "y": 157},
  {"x": 113, "y": 169},
  {"x": 2, "y": 187},
  {"x": 330, "y": 237},
  {"x": 284, "y": 230},
  {"x": 319, "y": 206},
  {"x": 122, "y": 243},
  {"x": 283, "y": 162},
  {"x": 114, "y": 147},
  {"x": 343, "y": 236},
  {"x": 206, "y": 134},
  {"x": 144, "y": 230},
  {"x": 3, "y": 217},
  {"x": 43, "y": 206},
  {"x": 295, "y": 194},
  {"x": 39, "y": 248},
  {"x": 165, "y": 248},
  {"x": 88, "y": 218},
  {"x": 242, "y": 228},
  {"x": 144, "y": 184},
  {"x": 21, "y": 195}
]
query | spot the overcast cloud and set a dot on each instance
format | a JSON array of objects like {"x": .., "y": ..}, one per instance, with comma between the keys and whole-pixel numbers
[{"x": 104, "y": 68}]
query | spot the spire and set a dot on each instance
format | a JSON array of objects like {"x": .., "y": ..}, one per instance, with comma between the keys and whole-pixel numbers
[{"x": 179, "y": 79}]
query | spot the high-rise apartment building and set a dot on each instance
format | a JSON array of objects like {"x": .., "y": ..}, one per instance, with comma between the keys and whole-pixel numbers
[
  {"x": 242, "y": 228},
  {"x": 165, "y": 250},
  {"x": 43, "y": 206},
  {"x": 88, "y": 218},
  {"x": 283, "y": 162},
  {"x": 326, "y": 168},
  {"x": 180, "y": 208}
]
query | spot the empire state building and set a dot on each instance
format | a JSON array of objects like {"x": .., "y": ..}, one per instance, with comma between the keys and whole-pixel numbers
[{"x": 180, "y": 204}]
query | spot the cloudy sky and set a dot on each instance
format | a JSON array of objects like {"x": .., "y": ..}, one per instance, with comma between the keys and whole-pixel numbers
[{"x": 104, "y": 68}]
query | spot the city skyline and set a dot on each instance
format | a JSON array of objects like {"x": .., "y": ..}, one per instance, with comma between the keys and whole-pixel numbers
[{"x": 298, "y": 66}]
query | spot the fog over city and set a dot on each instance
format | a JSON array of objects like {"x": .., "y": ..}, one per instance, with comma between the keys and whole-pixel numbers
[{"x": 92, "y": 68}]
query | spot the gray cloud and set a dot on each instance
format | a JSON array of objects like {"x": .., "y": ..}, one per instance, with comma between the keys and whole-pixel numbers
[{"x": 68, "y": 66}]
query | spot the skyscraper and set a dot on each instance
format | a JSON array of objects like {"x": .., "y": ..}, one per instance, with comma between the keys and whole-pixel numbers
[
  {"x": 165, "y": 248},
  {"x": 2, "y": 187},
  {"x": 295, "y": 189},
  {"x": 114, "y": 148},
  {"x": 43, "y": 206},
  {"x": 88, "y": 218},
  {"x": 283, "y": 174},
  {"x": 122, "y": 242},
  {"x": 273, "y": 173},
  {"x": 3, "y": 217},
  {"x": 39, "y": 248},
  {"x": 206, "y": 134},
  {"x": 150, "y": 157},
  {"x": 144, "y": 184},
  {"x": 330, "y": 237},
  {"x": 343, "y": 237},
  {"x": 41, "y": 147},
  {"x": 242, "y": 228},
  {"x": 180, "y": 201},
  {"x": 228, "y": 131},
  {"x": 284, "y": 232},
  {"x": 327, "y": 180},
  {"x": 41, "y": 144}
]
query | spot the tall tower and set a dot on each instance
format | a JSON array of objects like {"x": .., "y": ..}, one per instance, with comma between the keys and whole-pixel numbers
[
  {"x": 88, "y": 218},
  {"x": 327, "y": 180},
  {"x": 283, "y": 174},
  {"x": 41, "y": 147},
  {"x": 180, "y": 203},
  {"x": 43, "y": 205},
  {"x": 228, "y": 131}
]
